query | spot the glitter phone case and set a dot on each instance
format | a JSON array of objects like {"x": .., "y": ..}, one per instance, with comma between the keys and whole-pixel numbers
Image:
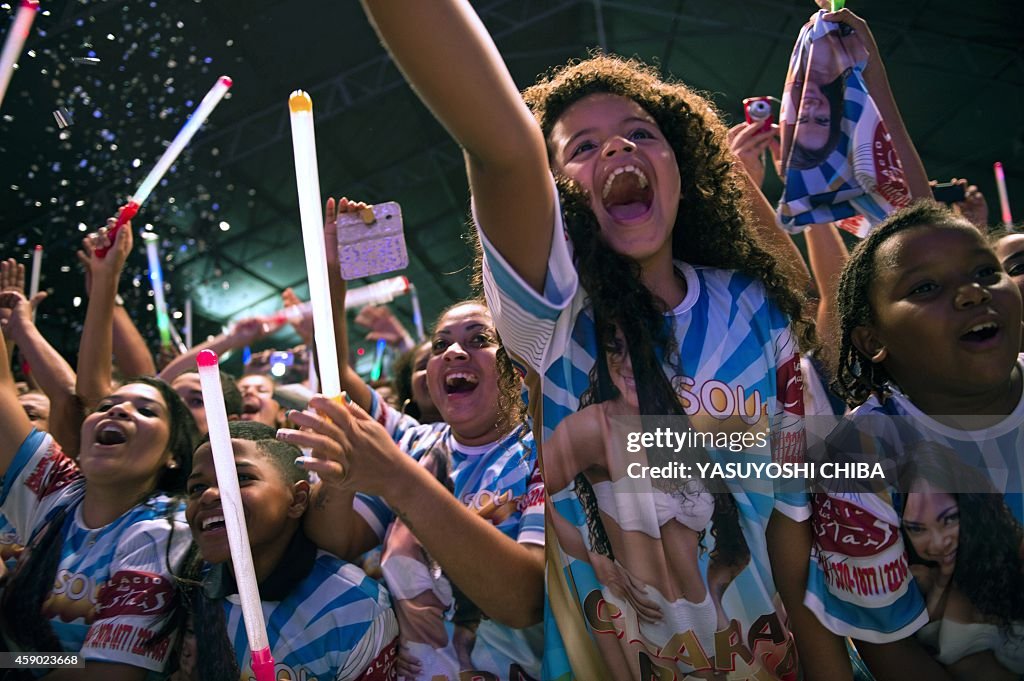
[{"x": 372, "y": 241}]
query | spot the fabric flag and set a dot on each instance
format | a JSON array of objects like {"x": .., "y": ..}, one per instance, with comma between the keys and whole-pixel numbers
[{"x": 838, "y": 160}]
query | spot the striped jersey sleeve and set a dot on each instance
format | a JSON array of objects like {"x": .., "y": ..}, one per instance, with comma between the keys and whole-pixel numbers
[
  {"x": 39, "y": 480},
  {"x": 525, "y": 319}
]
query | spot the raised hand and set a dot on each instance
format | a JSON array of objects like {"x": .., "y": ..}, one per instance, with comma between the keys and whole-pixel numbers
[
  {"x": 113, "y": 263},
  {"x": 12, "y": 280},
  {"x": 332, "y": 209},
  {"x": 351, "y": 450},
  {"x": 383, "y": 325},
  {"x": 749, "y": 142}
]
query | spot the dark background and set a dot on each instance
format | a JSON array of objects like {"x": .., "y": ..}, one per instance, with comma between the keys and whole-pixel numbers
[{"x": 956, "y": 68}]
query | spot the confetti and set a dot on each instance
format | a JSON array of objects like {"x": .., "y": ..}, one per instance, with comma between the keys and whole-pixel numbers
[{"x": 62, "y": 117}]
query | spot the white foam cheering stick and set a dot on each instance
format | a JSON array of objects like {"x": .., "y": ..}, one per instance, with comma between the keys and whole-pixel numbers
[
  {"x": 234, "y": 516},
  {"x": 312, "y": 217}
]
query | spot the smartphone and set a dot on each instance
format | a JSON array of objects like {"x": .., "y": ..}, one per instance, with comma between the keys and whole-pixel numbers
[
  {"x": 372, "y": 241},
  {"x": 758, "y": 110},
  {"x": 947, "y": 192}
]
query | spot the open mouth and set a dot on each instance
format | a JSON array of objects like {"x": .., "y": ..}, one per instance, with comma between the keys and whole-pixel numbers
[
  {"x": 111, "y": 434},
  {"x": 627, "y": 193},
  {"x": 979, "y": 333},
  {"x": 213, "y": 523},
  {"x": 460, "y": 382},
  {"x": 251, "y": 406}
]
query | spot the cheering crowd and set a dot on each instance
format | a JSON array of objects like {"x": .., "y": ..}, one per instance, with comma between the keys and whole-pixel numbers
[{"x": 472, "y": 516}]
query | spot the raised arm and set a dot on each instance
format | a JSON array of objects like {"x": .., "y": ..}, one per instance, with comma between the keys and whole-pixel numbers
[
  {"x": 96, "y": 345},
  {"x": 749, "y": 144},
  {"x": 132, "y": 355},
  {"x": 828, "y": 253},
  {"x": 14, "y": 423},
  {"x": 510, "y": 590},
  {"x": 351, "y": 382},
  {"x": 54, "y": 375},
  {"x": 244, "y": 332},
  {"x": 447, "y": 56},
  {"x": 770, "y": 237},
  {"x": 878, "y": 85}
]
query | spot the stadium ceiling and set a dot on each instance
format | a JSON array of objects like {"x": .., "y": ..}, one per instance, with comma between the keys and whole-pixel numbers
[{"x": 125, "y": 74}]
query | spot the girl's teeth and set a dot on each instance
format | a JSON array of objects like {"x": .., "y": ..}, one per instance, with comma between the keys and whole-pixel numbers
[{"x": 641, "y": 178}]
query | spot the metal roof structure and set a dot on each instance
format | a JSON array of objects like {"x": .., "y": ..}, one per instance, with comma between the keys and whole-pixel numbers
[{"x": 127, "y": 72}]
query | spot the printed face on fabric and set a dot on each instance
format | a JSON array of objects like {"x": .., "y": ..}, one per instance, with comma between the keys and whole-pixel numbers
[
  {"x": 931, "y": 520},
  {"x": 267, "y": 499},
  {"x": 962, "y": 307},
  {"x": 462, "y": 373},
  {"x": 125, "y": 439},
  {"x": 618, "y": 154}
]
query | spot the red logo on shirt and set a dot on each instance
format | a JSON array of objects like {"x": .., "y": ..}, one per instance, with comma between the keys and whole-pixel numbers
[
  {"x": 131, "y": 592},
  {"x": 53, "y": 472},
  {"x": 845, "y": 528},
  {"x": 383, "y": 667},
  {"x": 790, "y": 384}
]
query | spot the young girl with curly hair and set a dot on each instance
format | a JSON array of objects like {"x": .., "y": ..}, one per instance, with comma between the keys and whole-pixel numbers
[
  {"x": 609, "y": 200},
  {"x": 930, "y": 328}
]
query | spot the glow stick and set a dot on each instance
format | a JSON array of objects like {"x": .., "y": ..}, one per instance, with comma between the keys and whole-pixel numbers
[
  {"x": 33, "y": 287},
  {"x": 156, "y": 280},
  {"x": 417, "y": 315},
  {"x": 234, "y": 515},
  {"x": 192, "y": 125},
  {"x": 1004, "y": 199},
  {"x": 16, "y": 37},
  {"x": 188, "y": 323},
  {"x": 312, "y": 217},
  {"x": 176, "y": 337},
  {"x": 293, "y": 314},
  {"x": 378, "y": 360},
  {"x": 377, "y": 293}
]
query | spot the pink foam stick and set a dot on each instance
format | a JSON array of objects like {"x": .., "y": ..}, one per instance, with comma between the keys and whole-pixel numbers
[
  {"x": 1004, "y": 198},
  {"x": 15, "y": 41},
  {"x": 181, "y": 140},
  {"x": 234, "y": 515}
]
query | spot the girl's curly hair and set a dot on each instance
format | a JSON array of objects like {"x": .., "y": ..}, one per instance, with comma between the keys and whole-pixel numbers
[
  {"x": 711, "y": 227},
  {"x": 857, "y": 377}
]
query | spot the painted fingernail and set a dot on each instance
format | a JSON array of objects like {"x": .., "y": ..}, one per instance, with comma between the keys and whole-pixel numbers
[
  {"x": 348, "y": 400},
  {"x": 301, "y": 461}
]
